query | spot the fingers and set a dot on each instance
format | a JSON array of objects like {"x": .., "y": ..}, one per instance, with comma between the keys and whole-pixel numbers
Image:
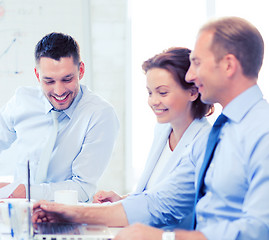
[
  {"x": 43, "y": 211},
  {"x": 38, "y": 204},
  {"x": 97, "y": 198},
  {"x": 39, "y": 216},
  {"x": 101, "y": 196},
  {"x": 104, "y": 196}
]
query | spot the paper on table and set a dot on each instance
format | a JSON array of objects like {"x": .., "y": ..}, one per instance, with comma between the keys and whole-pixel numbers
[{"x": 8, "y": 189}]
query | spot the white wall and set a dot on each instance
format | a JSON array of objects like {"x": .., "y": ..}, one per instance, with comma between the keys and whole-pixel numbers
[
  {"x": 22, "y": 25},
  {"x": 109, "y": 41}
]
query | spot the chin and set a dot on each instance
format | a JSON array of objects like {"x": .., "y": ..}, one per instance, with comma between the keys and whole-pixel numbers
[
  {"x": 60, "y": 107},
  {"x": 162, "y": 121}
]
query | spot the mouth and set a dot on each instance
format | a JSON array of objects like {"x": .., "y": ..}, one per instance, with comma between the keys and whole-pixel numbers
[
  {"x": 160, "y": 111},
  {"x": 61, "y": 99},
  {"x": 200, "y": 86}
]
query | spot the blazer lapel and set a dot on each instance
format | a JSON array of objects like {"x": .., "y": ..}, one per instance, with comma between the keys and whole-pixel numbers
[{"x": 162, "y": 133}]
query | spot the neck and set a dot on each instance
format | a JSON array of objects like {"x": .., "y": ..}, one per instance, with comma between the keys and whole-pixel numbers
[
  {"x": 177, "y": 132},
  {"x": 236, "y": 89}
]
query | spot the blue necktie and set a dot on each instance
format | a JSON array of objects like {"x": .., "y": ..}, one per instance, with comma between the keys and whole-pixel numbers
[{"x": 212, "y": 143}]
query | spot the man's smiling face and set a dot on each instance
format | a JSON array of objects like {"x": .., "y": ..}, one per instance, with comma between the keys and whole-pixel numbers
[{"x": 59, "y": 80}]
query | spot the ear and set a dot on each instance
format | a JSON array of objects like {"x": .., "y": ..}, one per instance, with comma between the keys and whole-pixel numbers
[
  {"x": 230, "y": 64},
  {"x": 81, "y": 70},
  {"x": 37, "y": 74},
  {"x": 193, "y": 93}
]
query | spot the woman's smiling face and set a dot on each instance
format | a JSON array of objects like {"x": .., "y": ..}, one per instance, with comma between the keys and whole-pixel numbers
[{"x": 168, "y": 100}]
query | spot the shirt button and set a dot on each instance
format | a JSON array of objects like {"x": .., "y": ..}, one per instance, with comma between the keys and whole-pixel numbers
[
  {"x": 200, "y": 219},
  {"x": 212, "y": 165}
]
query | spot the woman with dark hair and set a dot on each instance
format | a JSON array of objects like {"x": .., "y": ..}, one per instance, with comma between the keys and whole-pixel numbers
[
  {"x": 180, "y": 112},
  {"x": 165, "y": 193}
]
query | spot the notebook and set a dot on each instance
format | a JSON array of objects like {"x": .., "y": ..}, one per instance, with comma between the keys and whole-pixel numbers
[{"x": 71, "y": 231}]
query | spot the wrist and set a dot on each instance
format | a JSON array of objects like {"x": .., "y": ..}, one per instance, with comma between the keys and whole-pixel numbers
[{"x": 168, "y": 236}]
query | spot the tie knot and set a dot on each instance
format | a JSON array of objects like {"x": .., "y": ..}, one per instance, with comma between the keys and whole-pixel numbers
[{"x": 220, "y": 120}]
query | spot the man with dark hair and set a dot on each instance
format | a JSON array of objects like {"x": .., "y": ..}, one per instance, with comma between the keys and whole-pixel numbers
[{"x": 64, "y": 130}]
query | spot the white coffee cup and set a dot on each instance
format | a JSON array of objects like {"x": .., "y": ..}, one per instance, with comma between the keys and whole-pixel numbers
[{"x": 69, "y": 197}]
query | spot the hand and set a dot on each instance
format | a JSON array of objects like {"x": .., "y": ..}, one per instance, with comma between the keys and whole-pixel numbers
[
  {"x": 44, "y": 211},
  {"x": 104, "y": 196},
  {"x": 3, "y": 184},
  {"x": 142, "y": 232},
  {"x": 139, "y": 232},
  {"x": 19, "y": 192}
]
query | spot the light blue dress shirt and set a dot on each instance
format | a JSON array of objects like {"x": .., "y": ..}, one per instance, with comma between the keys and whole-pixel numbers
[
  {"x": 166, "y": 204},
  {"x": 236, "y": 203},
  {"x": 85, "y": 140}
]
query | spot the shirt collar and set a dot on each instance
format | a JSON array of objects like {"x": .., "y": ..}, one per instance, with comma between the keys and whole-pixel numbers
[
  {"x": 239, "y": 107},
  {"x": 69, "y": 111}
]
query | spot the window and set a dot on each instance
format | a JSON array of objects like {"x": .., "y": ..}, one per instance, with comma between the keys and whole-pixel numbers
[{"x": 156, "y": 26}]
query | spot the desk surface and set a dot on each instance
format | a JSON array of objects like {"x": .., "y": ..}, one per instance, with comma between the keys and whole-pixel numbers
[{"x": 6, "y": 236}]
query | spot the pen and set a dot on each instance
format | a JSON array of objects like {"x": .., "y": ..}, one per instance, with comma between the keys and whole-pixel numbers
[
  {"x": 29, "y": 201},
  {"x": 10, "y": 214},
  {"x": 28, "y": 182}
]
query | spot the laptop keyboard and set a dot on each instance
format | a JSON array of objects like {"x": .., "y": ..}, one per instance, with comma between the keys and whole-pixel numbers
[
  {"x": 62, "y": 231},
  {"x": 56, "y": 228}
]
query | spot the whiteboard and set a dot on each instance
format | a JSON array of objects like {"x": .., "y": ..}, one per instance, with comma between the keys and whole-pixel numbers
[{"x": 23, "y": 23}]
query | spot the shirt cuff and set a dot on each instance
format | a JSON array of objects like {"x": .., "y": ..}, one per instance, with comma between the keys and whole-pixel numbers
[{"x": 136, "y": 209}]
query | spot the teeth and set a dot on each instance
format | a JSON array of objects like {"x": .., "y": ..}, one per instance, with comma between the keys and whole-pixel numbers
[
  {"x": 159, "y": 110},
  {"x": 60, "y": 98}
]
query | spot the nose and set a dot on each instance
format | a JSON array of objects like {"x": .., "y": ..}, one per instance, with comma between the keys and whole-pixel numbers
[
  {"x": 59, "y": 89},
  {"x": 153, "y": 100},
  {"x": 190, "y": 75}
]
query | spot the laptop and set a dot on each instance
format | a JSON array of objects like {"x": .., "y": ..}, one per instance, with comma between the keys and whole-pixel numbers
[{"x": 71, "y": 231}]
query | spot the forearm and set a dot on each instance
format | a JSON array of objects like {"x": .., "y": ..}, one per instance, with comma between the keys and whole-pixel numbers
[
  {"x": 111, "y": 215},
  {"x": 189, "y": 235}
]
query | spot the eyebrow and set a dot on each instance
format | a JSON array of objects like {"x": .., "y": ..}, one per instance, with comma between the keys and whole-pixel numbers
[
  {"x": 66, "y": 76},
  {"x": 157, "y": 88},
  {"x": 192, "y": 58},
  {"x": 161, "y": 86}
]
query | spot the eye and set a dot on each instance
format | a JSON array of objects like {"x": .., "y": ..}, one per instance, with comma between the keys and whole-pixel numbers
[
  {"x": 48, "y": 82},
  {"x": 67, "y": 79},
  {"x": 196, "y": 63},
  {"x": 163, "y": 93}
]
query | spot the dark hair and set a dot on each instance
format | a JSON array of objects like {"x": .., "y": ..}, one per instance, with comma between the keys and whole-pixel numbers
[
  {"x": 57, "y": 45},
  {"x": 176, "y": 61},
  {"x": 234, "y": 35}
]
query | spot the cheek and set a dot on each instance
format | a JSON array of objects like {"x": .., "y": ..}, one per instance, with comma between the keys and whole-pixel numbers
[
  {"x": 74, "y": 87},
  {"x": 149, "y": 101},
  {"x": 46, "y": 89}
]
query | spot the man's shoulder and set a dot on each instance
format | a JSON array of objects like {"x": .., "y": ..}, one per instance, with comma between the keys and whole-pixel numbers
[
  {"x": 258, "y": 114},
  {"x": 28, "y": 91},
  {"x": 93, "y": 100}
]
